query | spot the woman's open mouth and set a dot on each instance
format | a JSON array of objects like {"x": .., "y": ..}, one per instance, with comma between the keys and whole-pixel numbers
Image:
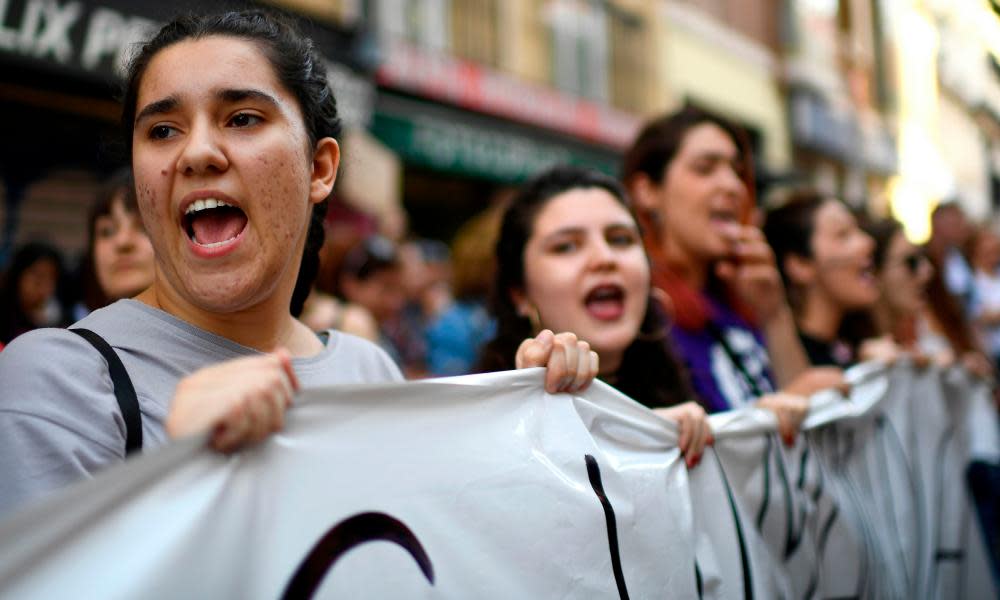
[
  {"x": 211, "y": 223},
  {"x": 606, "y": 302}
]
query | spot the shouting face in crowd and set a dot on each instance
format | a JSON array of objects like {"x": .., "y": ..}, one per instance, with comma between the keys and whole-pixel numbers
[
  {"x": 586, "y": 271},
  {"x": 226, "y": 175},
  {"x": 702, "y": 197}
]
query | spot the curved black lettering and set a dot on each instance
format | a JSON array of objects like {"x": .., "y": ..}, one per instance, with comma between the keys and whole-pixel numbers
[
  {"x": 345, "y": 535},
  {"x": 594, "y": 473}
]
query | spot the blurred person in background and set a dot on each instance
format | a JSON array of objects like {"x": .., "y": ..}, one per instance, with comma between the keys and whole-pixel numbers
[
  {"x": 690, "y": 177},
  {"x": 371, "y": 276},
  {"x": 456, "y": 336},
  {"x": 570, "y": 258},
  {"x": 984, "y": 254},
  {"x": 950, "y": 231},
  {"x": 916, "y": 308},
  {"x": 426, "y": 275},
  {"x": 28, "y": 296},
  {"x": 119, "y": 261},
  {"x": 345, "y": 227},
  {"x": 902, "y": 272},
  {"x": 826, "y": 262},
  {"x": 940, "y": 335}
]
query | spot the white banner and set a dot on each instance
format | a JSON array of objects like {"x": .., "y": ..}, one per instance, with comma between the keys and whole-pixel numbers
[{"x": 487, "y": 487}]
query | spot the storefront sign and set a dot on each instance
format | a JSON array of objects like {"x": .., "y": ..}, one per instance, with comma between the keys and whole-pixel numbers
[
  {"x": 74, "y": 35},
  {"x": 94, "y": 41},
  {"x": 471, "y": 86},
  {"x": 466, "y": 145}
]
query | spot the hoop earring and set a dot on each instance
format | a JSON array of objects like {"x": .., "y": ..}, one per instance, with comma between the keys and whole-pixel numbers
[{"x": 662, "y": 298}]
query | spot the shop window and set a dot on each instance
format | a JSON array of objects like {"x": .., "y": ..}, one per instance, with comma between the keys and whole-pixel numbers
[
  {"x": 580, "y": 47},
  {"x": 423, "y": 22},
  {"x": 474, "y": 30},
  {"x": 631, "y": 70}
]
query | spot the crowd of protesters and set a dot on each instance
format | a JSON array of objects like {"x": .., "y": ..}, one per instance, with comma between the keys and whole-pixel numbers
[{"x": 672, "y": 283}]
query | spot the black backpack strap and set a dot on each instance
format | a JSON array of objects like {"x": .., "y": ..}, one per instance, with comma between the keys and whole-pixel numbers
[{"x": 128, "y": 403}]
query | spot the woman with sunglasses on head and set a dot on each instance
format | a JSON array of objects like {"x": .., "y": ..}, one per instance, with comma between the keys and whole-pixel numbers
[
  {"x": 231, "y": 126},
  {"x": 689, "y": 175},
  {"x": 570, "y": 258},
  {"x": 825, "y": 260},
  {"x": 916, "y": 308}
]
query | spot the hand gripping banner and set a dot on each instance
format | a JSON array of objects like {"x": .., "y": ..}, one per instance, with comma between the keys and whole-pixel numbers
[{"x": 487, "y": 487}]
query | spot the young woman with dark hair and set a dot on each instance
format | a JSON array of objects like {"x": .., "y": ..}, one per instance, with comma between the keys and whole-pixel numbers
[
  {"x": 118, "y": 262},
  {"x": 28, "y": 291},
  {"x": 825, "y": 259},
  {"x": 690, "y": 176},
  {"x": 570, "y": 257},
  {"x": 231, "y": 125}
]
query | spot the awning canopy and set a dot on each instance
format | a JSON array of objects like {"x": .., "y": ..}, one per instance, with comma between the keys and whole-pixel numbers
[{"x": 461, "y": 142}]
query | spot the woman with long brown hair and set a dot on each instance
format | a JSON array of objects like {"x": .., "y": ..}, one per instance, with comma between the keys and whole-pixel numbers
[{"x": 690, "y": 176}]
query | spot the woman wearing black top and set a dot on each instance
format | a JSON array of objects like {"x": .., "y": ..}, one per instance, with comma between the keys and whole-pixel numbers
[{"x": 825, "y": 259}]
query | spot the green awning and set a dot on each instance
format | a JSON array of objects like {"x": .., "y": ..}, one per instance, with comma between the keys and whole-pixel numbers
[{"x": 456, "y": 141}]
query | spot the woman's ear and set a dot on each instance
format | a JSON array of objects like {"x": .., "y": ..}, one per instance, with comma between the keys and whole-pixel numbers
[
  {"x": 326, "y": 160},
  {"x": 643, "y": 193},
  {"x": 646, "y": 202},
  {"x": 799, "y": 270}
]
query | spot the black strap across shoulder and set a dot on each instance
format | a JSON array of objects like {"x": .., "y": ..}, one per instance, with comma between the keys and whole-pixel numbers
[{"x": 128, "y": 403}]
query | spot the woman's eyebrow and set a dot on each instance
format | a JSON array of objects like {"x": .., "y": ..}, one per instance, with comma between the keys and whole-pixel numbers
[
  {"x": 158, "y": 108},
  {"x": 239, "y": 95},
  {"x": 170, "y": 103},
  {"x": 568, "y": 230},
  {"x": 622, "y": 225},
  {"x": 716, "y": 156},
  {"x": 571, "y": 230}
]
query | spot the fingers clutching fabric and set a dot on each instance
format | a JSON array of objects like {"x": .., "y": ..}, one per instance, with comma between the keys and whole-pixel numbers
[
  {"x": 790, "y": 409},
  {"x": 570, "y": 363},
  {"x": 693, "y": 428},
  {"x": 241, "y": 401}
]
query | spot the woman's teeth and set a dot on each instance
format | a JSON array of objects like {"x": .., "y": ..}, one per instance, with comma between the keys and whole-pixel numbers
[{"x": 204, "y": 204}]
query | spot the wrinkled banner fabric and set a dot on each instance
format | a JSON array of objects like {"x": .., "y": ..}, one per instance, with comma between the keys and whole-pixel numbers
[{"x": 487, "y": 487}]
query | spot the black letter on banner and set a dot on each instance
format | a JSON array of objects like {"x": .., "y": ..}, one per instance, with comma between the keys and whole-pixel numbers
[
  {"x": 744, "y": 556},
  {"x": 351, "y": 532},
  {"x": 594, "y": 473}
]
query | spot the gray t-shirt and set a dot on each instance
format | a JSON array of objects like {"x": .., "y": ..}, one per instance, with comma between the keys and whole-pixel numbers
[{"x": 60, "y": 422}]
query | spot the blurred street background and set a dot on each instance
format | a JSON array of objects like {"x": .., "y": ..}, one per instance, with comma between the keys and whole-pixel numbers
[{"x": 892, "y": 104}]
